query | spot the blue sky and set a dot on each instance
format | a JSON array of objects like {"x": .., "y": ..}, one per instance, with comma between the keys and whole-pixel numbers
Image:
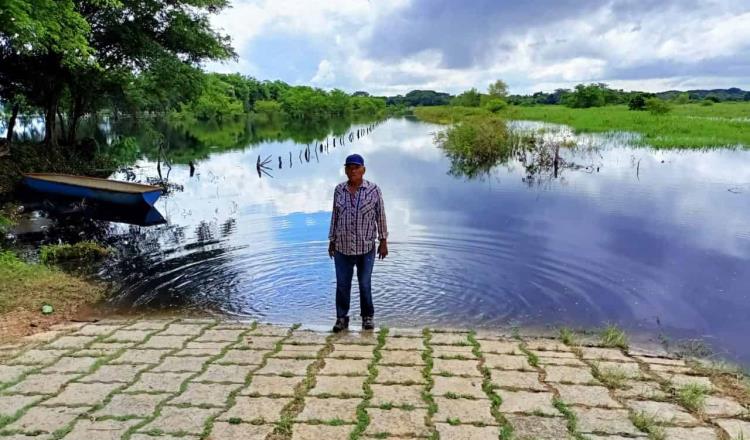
[{"x": 393, "y": 46}]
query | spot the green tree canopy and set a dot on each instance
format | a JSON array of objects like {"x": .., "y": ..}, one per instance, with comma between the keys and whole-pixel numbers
[{"x": 498, "y": 89}]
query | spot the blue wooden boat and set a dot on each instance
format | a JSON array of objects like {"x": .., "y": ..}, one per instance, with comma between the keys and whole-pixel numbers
[{"x": 102, "y": 190}]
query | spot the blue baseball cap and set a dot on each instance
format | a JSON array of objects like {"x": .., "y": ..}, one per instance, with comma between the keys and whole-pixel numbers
[{"x": 355, "y": 159}]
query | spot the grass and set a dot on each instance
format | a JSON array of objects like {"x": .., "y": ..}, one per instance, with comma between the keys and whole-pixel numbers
[
  {"x": 686, "y": 126},
  {"x": 84, "y": 251},
  {"x": 647, "y": 423},
  {"x": 610, "y": 377},
  {"x": 568, "y": 337},
  {"x": 570, "y": 416},
  {"x": 29, "y": 286},
  {"x": 692, "y": 396},
  {"x": 613, "y": 336}
]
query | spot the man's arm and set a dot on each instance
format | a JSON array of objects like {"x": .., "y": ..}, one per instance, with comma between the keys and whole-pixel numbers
[
  {"x": 332, "y": 228},
  {"x": 382, "y": 227}
]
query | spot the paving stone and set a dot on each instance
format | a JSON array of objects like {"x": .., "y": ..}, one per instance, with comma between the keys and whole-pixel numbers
[
  {"x": 33, "y": 436},
  {"x": 716, "y": 406},
  {"x": 270, "y": 330},
  {"x": 527, "y": 402},
  {"x": 71, "y": 342},
  {"x": 71, "y": 365},
  {"x": 96, "y": 330},
  {"x": 41, "y": 383},
  {"x": 100, "y": 430},
  {"x": 10, "y": 405},
  {"x": 669, "y": 369},
  {"x": 44, "y": 419},
  {"x": 196, "y": 394},
  {"x": 352, "y": 351},
  {"x": 500, "y": 347},
  {"x": 461, "y": 386},
  {"x": 95, "y": 352},
  {"x": 148, "y": 325},
  {"x": 661, "y": 361},
  {"x": 164, "y": 342},
  {"x": 83, "y": 394},
  {"x": 129, "y": 335},
  {"x": 455, "y": 367},
  {"x": 538, "y": 428},
  {"x": 37, "y": 357},
  {"x": 404, "y": 344},
  {"x": 164, "y": 437},
  {"x": 465, "y": 410},
  {"x": 357, "y": 338},
  {"x": 517, "y": 380},
  {"x": 609, "y": 421},
  {"x": 345, "y": 367},
  {"x": 546, "y": 360},
  {"x": 336, "y": 385},
  {"x": 233, "y": 325},
  {"x": 261, "y": 342},
  {"x": 159, "y": 382},
  {"x": 681, "y": 380},
  {"x": 615, "y": 437},
  {"x": 299, "y": 351},
  {"x": 11, "y": 373},
  {"x": 603, "y": 354},
  {"x": 398, "y": 395},
  {"x": 402, "y": 375},
  {"x": 141, "y": 357},
  {"x": 242, "y": 431},
  {"x": 272, "y": 385},
  {"x": 449, "y": 339},
  {"x": 737, "y": 429},
  {"x": 641, "y": 390},
  {"x": 556, "y": 354},
  {"x": 219, "y": 336},
  {"x": 307, "y": 337},
  {"x": 42, "y": 336},
  {"x": 401, "y": 357},
  {"x": 586, "y": 395},
  {"x": 630, "y": 370},
  {"x": 690, "y": 434},
  {"x": 506, "y": 362},
  {"x": 181, "y": 420},
  {"x": 303, "y": 431},
  {"x": 182, "y": 363},
  {"x": 405, "y": 333},
  {"x": 467, "y": 432},
  {"x": 135, "y": 405},
  {"x": 545, "y": 345},
  {"x": 329, "y": 409},
  {"x": 453, "y": 352},
  {"x": 114, "y": 373},
  {"x": 255, "y": 409},
  {"x": 397, "y": 422},
  {"x": 662, "y": 411},
  {"x": 243, "y": 357},
  {"x": 297, "y": 367},
  {"x": 183, "y": 329},
  {"x": 562, "y": 374},
  {"x": 225, "y": 373}
]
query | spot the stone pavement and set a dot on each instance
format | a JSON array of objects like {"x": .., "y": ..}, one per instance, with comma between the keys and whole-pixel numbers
[{"x": 150, "y": 379}]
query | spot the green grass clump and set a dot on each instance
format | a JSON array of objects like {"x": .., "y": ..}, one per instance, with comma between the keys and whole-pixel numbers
[
  {"x": 85, "y": 251},
  {"x": 567, "y": 336},
  {"x": 647, "y": 423},
  {"x": 611, "y": 377},
  {"x": 612, "y": 336},
  {"x": 692, "y": 396}
]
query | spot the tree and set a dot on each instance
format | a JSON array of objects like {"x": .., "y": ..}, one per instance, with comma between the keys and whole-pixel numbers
[
  {"x": 637, "y": 102},
  {"x": 586, "y": 96},
  {"x": 657, "y": 106},
  {"x": 747, "y": 96},
  {"x": 498, "y": 89},
  {"x": 469, "y": 98},
  {"x": 682, "y": 98}
]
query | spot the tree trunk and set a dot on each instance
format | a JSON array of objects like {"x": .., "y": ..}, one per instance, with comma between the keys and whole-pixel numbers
[
  {"x": 12, "y": 123},
  {"x": 50, "y": 125},
  {"x": 62, "y": 125},
  {"x": 76, "y": 114}
]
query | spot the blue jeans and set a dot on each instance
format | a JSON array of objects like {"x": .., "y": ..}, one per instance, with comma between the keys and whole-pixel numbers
[{"x": 344, "y": 272}]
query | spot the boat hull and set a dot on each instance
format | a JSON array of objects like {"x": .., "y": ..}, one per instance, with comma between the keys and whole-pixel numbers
[{"x": 101, "y": 195}]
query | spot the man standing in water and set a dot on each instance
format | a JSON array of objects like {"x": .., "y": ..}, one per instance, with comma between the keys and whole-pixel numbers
[{"x": 358, "y": 215}]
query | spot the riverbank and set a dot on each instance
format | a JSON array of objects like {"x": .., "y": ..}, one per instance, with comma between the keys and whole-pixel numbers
[
  {"x": 27, "y": 287},
  {"x": 685, "y": 126},
  {"x": 208, "y": 378}
]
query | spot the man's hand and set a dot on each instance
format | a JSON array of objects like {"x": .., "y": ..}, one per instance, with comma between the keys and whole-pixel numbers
[
  {"x": 331, "y": 249},
  {"x": 382, "y": 249}
]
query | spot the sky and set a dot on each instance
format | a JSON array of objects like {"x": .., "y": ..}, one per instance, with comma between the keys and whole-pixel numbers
[{"x": 389, "y": 47}]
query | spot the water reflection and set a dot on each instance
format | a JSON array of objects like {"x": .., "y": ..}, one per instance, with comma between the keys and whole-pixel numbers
[{"x": 645, "y": 238}]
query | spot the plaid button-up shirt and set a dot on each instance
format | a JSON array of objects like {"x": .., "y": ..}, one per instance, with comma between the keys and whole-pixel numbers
[{"x": 357, "y": 218}]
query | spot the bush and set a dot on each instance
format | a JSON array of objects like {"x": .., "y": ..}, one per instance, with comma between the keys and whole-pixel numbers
[
  {"x": 707, "y": 103},
  {"x": 657, "y": 106},
  {"x": 86, "y": 251},
  {"x": 469, "y": 98},
  {"x": 476, "y": 145},
  {"x": 638, "y": 102},
  {"x": 495, "y": 105}
]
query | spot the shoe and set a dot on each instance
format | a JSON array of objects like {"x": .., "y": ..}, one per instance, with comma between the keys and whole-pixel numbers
[
  {"x": 341, "y": 324},
  {"x": 368, "y": 323}
]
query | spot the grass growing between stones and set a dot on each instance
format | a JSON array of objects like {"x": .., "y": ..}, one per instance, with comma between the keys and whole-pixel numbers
[
  {"x": 506, "y": 429},
  {"x": 568, "y": 337},
  {"x": 363, "y": 419},
  {"x": 648, "y": 423},
  {"x": 610, "y": 377},
  {"x": 612, "y": 336},
  {"x": 692, "y": 396},
  {"x": 570, "y": 416}
]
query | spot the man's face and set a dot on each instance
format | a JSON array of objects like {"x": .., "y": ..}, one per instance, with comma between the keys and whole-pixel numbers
[{"x": 354, "y": 172}]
